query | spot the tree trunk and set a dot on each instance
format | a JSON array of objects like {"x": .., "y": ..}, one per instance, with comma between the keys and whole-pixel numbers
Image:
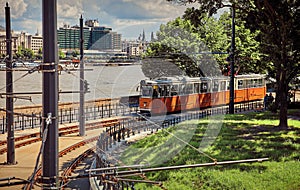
[{"x": 283, "y": 94}]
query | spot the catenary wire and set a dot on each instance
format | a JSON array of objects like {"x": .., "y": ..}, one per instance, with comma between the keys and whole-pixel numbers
[{"x": 191, "y": 146}]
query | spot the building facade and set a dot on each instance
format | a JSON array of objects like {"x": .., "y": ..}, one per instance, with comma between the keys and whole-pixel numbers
[
  {"x": 134, "y": 48},
  {"x": 68, "y": 38},
  {"x": 36, "y": 43},
  {"x": 21, "y": 40},
  {"x": 96, "y": 37}
]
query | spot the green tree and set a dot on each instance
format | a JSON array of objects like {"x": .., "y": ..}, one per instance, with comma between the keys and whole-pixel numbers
[
  {"x": 278, "y": 22},
  {"x": 177, "y": 43},
  {"x": 61, "y": 54},
  {"x": 28, "y": 53},
  {"x": 24, "y": 53},
  {"x": 19, "y": 53},
  {"x": 217, "y": 36},
  {"x": 39, "y": 54},
  {"x": 75, "y": 53}
]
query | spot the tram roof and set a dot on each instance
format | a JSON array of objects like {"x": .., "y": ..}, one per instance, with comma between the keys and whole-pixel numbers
[
  {"x": 185, "y": 79},
  {"x": 251, "y": 76}
]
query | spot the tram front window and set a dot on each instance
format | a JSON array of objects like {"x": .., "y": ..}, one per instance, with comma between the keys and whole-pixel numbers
[{"x": 147, "y": 91}]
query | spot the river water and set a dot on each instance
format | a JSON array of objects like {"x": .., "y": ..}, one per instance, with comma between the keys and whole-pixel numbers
[{"x": 104, "y": 82}]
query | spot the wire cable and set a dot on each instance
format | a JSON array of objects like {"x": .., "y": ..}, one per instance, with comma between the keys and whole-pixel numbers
[
  {"x": 191, "y": 146},
  {"x": 36, "y": 68},
  {"x": 44, "y": 138}
]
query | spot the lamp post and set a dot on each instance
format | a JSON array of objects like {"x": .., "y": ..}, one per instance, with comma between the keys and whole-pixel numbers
[{"x": 232, "y": 57}]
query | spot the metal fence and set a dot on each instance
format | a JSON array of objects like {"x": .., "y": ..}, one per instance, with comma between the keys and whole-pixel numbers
[
  {"x": 115, "y": 134},
  {"x": 70, "y": 115}
]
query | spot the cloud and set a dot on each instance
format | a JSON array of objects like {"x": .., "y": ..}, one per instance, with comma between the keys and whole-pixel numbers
[
  {"x": 128, "y": 17},
  {"x": 30, "y": 25},
  {"x": 67, "y": 9},
  {"x": 142, "y": 9},
  {"x": 17, "y": 8}
]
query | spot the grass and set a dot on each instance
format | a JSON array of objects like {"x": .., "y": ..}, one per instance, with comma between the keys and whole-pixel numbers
[{"x": 229, "y": 137}]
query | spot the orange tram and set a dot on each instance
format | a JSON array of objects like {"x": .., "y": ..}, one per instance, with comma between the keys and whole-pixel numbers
[{"x": 177, "y": 94}]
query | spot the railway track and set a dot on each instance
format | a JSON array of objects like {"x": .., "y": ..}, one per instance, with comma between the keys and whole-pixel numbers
[
  {"x": 66, "y": 171},
  {"x": 73, "y": 165},
  {"x": 109, "y": 124},
  {"x": 38, "y": 173},
  {"x": 63, "y": 131}
]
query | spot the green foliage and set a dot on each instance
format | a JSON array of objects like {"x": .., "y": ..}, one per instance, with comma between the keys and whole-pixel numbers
[
  {"x": 278, "y": 22},
  {"x": 217, "y": 36},
  {"x": 24, "y": 53},
  {"x": 185, "y": 44},
  {"x": 242, "y": 136},
  {"x": 75, "y": 53},
  {"x": 61, "y": 54},
  {"x": 177, "y": 44},
  {"x": 39, "y": 55}
]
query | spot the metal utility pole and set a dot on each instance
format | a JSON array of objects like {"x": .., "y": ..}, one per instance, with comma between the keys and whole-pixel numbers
[
  {"x": 50, "y": 95},
  {"x": 231, "y": 103},
  {"x": 9, "y": 92},
  {"x": 81, "y": 81}
]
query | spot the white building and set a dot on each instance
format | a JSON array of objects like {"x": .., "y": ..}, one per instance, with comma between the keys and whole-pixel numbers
[
  {"x": 35, "y": 43},
  {"x": 23, "y": 40},
  {"x": 133, "y": 48}
]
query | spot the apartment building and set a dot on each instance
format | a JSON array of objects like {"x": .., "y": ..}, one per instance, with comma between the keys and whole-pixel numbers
[
  {"x": 22, "y": 40},
  {"x": 96, "y": 37}
]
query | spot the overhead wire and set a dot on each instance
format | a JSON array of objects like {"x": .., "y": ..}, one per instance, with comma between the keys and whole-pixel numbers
[
  {"x": 117, "y": 160},
  {"x": 24, "y": 75},
  {"x": 186, "y": 143},
  {"x": 46, "y": 128},
  {"x": 181, "y": 140}
]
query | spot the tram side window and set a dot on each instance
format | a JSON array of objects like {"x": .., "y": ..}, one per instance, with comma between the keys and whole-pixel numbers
[
  {"x": 228, "y": 85},
  {"x": 249, "y": 83},
  {"x": 164, "y": 90},
  {"x": 174, "y": 90},
  {"x": 252, "y": 83},
  {"x": 240, "y": 84},
  {"x": 260, "y": 82},
  {"x": 204, "y": 87},
  {"x": 223, "y": 86},
  {"x": 196, "y": 88},
  {"x": 146, "y": 91},
  {"x": 156, "y": 92},
  {"x": 189, "y": 89},
  {"x": 182, "y": 89},
  {"x": 215, "y": 86},
  {"x": 255, "y": 84}
]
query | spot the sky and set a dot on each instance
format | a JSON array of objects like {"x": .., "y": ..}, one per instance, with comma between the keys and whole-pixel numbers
[{"x": 127, "y": 17}]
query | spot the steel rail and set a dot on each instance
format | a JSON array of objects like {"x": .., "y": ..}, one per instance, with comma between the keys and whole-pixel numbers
[
  {"x": 145, "y": 170},
  {"x": 64, "y": 131},
  {"x": 67, "y": 172},
  {"x": 62, "y": 153}
]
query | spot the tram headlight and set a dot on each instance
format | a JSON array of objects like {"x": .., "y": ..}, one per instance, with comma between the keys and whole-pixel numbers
[{"x": 145, "y": 104}]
